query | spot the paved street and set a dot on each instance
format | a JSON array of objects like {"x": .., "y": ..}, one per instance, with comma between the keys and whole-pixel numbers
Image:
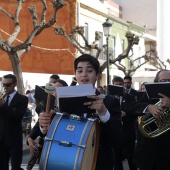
[{"x": 27, "y": 156}]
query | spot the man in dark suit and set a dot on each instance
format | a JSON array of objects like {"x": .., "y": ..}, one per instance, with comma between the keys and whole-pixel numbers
[
  {"x": 11, "y": 114},
  {"x": 129, "y": 128},
  {"x": 128, "y": 84},
  {"x": 86, "y": 72},
  {"x": 153, "y": 153}
]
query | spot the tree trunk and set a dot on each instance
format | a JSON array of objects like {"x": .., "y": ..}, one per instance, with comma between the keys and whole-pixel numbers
[
  {"x": 99, "y": 79},
  {"x": 17, "y": 70}
]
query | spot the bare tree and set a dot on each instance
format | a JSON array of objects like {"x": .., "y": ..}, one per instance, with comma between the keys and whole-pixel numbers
[
  {"x": 15, "y": 52},
  {"x": 89, "y": 48},
  {"x": 149, "y": 57}
]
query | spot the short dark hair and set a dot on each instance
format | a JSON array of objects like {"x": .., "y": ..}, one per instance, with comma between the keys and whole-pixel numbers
[
  {"x": 28, "y": 92},
  {"x": 87, "y": 57},
  {"x": 10, "y": 76},
  {"x": 128, "y": 77},
  {"x": 117, "y": 79},
  {"x": 55, "y": 76},
  {"x": 61, "y": 82},
  {"x": 100, "y": 87}
]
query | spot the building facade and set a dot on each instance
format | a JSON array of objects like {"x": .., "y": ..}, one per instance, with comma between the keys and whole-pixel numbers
[{"x": 92, "y": 15}]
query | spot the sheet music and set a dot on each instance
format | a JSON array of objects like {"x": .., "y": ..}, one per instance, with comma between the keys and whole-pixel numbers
[{"x": 75, "y": 91}]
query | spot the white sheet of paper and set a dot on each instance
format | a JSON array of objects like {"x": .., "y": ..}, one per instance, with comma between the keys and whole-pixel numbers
[{"x": 75, "y": 91}]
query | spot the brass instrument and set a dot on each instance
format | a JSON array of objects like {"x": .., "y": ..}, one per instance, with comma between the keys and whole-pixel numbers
[
  {"x": 37, "y": 153},
  {"x": 152, "y": 127},
  {"x": 3, "y": 96}
]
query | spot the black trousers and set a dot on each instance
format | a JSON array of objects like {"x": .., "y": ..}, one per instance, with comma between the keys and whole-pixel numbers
[{"x": 10, "y": 152}]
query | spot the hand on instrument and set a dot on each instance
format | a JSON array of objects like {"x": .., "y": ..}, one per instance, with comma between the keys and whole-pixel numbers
[
  {"x": 31, "y": 145},
  {"x": 97, "y": 104},
  {"x": 156, "y": 111},
  {"x": 45, "y": 118},
  {"x": 165, "y": 101}
]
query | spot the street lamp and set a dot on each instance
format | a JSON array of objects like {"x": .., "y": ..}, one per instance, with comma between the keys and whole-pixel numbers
[{"x": 106, "y": 29}]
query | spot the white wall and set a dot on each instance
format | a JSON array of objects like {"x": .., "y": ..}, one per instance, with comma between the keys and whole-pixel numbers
[{"x": 37, "y": 78}]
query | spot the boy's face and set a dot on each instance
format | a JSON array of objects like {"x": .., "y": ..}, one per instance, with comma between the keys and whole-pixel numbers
[{"x": 85, "y": 73}]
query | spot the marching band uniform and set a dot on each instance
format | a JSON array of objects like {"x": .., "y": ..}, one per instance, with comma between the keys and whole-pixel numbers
[
  {"x": 11, "y": 131},
  {"x": 151, "y": 154},
  {"x": 110, "y": 134}
]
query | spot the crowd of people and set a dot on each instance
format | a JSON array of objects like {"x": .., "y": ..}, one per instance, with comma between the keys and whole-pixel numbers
[{"x": 120, "y": 137}]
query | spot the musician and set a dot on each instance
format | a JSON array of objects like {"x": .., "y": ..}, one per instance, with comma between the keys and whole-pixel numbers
[
  {"x": 53, "y": 78},
  {"x": 35, "y": 132},
  {"x": 153, "y": 153},
  {"x": 128, "y": 84},
  {"x": 129, "y": 130},
  {"x": 86, "y": 71},
  {"x": 11, "y": 114}
]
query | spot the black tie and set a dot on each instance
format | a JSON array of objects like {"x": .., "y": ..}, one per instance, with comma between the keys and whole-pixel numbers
[
  {"x": 127, "y": 91},
  {"x": 7, "y": 100}
]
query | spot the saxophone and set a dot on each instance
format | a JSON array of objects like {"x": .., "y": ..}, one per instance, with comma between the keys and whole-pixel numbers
[
  {"x": 152, "y": 127},
  {"x": 37, "y": 153}
]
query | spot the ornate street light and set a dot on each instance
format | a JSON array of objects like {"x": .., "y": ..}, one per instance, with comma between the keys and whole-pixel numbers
[{"x": 106, "y": 29}]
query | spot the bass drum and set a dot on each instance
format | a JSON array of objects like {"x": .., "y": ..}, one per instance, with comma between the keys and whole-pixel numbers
[{"x": 71, "y": 144}]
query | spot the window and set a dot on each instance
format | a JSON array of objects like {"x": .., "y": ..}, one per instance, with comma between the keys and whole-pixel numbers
[
  {"x": 112, "y": 47},
  {"x": 86, "y": 30}
]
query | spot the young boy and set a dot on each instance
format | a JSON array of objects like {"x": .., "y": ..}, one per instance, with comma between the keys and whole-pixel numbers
[{"x": 86, "y": 72}]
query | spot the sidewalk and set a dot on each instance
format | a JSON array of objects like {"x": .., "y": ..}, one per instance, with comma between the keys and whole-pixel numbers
[
  {"x": 25, "y": 146},
  {"x": 24, "y": 166}
]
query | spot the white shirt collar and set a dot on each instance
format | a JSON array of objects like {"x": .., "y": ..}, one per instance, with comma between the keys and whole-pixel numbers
[{"x": 11, "y": 96}]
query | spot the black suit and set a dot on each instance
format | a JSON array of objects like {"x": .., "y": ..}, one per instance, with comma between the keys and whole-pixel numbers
[
  {"x": 11, "y": 132},
  {"x": 110, "y": 135},
  {"x": 152, "y": 154},
  {"x": 129, "y": 134},
  {"x": 133, "y": 92},
  {"x": 129, "y": 130}
]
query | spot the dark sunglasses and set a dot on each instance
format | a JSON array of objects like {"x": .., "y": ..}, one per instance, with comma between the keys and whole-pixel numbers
[{"x": 7, "y": 84}]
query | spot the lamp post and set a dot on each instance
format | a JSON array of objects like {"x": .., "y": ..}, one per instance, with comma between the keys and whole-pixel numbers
[{"x": 106, "y": 29}]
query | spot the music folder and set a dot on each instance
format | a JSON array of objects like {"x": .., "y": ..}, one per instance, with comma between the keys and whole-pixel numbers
[
  {"x": 71, "y": 99},
  {"x": 116, "y": 90},
  {"x": 41, "y": 96},
  {"x": 152, "y": 89},
  {"x": 140, "y": 94}
]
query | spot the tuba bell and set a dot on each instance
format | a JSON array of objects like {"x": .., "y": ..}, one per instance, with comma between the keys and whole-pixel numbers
[{"x": 152, "y": 127}]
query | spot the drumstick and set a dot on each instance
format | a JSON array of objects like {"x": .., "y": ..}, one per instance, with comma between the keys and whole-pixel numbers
[{"x": 49, "y": 88}]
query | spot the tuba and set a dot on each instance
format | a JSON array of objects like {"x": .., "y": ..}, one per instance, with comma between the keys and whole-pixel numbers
[{"x": 152, "y": 127}]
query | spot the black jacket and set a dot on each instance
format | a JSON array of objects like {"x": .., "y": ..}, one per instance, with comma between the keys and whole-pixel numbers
[
  {"x": 11, "y": 119},
  {"x": 110, "y": 134},
  {"x": 151, "y": 153}
]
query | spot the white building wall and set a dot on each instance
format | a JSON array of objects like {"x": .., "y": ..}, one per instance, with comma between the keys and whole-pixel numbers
[
  {"x": 163, "y": 33},
  {"x": 95, "y": 21}
]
